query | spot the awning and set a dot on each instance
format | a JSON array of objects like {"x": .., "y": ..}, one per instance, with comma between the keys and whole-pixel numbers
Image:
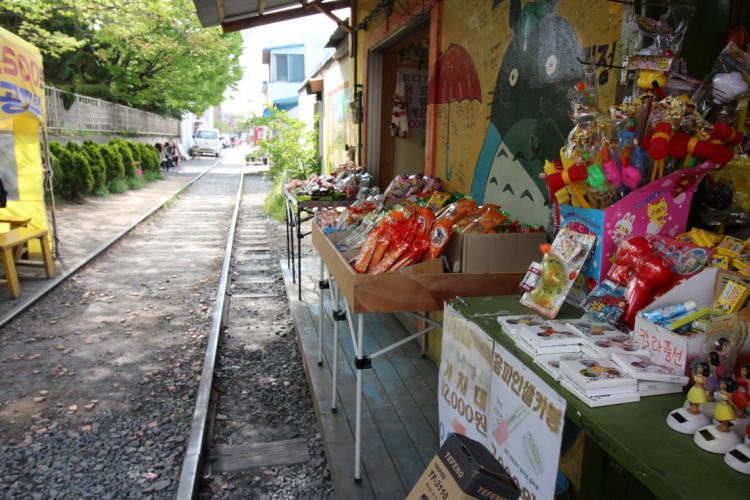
[
  {"x": 286, "y": 104},
  {"x": 236, "y": 15}
]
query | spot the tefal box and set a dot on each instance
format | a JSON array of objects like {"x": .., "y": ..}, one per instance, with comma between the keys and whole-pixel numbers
[
  {"x": 477, "y": 253},
  {"x": 659, "y": 208},
  {"x": 681, "y": 350},
  {"x": 463, "y": 469}
]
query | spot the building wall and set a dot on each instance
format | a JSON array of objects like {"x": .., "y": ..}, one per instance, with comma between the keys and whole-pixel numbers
[{"x": 523, "y": 57}]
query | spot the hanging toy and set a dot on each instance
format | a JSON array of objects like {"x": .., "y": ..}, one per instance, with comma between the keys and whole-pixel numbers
[
  {"x": 727, "y": 87},
  {"x": 657, "y": 146},
  {"x": 725, "y": 133}
]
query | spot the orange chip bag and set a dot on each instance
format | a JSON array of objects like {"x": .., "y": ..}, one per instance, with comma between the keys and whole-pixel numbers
[
  {"x": 486, "y": 222},
  {"x": 439, "y": 236}
]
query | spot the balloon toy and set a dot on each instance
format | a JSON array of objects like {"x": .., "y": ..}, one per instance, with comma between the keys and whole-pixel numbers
[{"x": 640, "y": 270}]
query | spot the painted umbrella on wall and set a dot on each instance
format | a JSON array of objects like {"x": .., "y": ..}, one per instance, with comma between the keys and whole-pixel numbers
[{"x": 455, "y": 79}]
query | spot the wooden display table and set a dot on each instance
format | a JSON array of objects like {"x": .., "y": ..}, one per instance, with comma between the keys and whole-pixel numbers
[
  {"x": 409, "y": 292},
  {"x": 297, "y": 212},
  {"x": 636, "y": 435}
]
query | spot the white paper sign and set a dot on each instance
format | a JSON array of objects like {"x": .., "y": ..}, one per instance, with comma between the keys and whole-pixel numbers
[
  {"x": 526, "y": 418},
  {"x": 465, "y": 378}
]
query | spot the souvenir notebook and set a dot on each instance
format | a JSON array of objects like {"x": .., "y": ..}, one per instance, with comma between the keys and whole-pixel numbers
[
  {"x": 550, "y": 363},
  {"x": 590, "y": 374},
  {"x": 604, "y": 347},
  {"x": 596, "y": 401},
  {"x": 643, "y": 367},
  {"x": 512, "y": 324},
  {"x": 550, "y": 337}
]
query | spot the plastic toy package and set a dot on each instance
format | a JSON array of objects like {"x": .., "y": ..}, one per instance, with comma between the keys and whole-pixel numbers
[{"x": 546, "y": 284}]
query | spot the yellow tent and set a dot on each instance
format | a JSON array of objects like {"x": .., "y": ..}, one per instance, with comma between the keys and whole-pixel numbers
[{"x": 22, "y": 113}]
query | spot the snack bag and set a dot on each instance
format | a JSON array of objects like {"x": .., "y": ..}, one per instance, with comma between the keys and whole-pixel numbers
[
  {"x": 457, "y": 210},
  {"x": 439, "y": 236}
]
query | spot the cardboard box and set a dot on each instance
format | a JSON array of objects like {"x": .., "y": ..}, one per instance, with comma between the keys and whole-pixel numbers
[
  {"x": 679, "y": 350},
  {"x": 660, "y": 207},
  {"x": 464, "y": 469},
  {"x": 423, "y": 287},
  {"x": 475, "y": 253}
]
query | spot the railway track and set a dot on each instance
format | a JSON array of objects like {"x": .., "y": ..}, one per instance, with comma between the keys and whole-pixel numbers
[{"x": 112, "y": 380}]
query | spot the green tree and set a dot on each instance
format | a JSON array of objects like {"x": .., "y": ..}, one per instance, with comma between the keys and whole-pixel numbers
[
  {"x": 113, "y": 160},
  {"x": 77, "y": 180},
  {"x": 289, "y": 145},
  {"x": 90, "y": 150},
  {"x": 149, "y": 54}
]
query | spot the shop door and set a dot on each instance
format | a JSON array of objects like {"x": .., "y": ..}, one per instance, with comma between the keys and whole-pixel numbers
[{"x": 397, "y": 100}]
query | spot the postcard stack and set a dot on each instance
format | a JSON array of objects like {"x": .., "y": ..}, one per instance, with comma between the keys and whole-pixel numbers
[
  {"x": 654, "y": 377},
  {"x": 598, "y": 381}
]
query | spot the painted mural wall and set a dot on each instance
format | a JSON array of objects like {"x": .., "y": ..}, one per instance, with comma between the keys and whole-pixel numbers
[
  {"x": 503, "y": 109},
  {"x": 501, "y": 96},
  {"x": 339, "y": 130}
]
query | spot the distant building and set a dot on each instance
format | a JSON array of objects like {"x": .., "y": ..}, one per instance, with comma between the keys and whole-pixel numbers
[{"x": 288, "y": 67}]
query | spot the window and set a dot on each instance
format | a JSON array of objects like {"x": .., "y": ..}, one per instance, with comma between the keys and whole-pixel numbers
[{"x": 289, "y": 67}]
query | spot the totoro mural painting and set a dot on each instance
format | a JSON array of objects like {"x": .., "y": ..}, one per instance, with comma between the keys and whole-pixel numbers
[{"x": 529, "y": 111}]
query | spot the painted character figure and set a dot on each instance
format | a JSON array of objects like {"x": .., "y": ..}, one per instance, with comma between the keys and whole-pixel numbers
[
  {"x": 741, "y": 398},
  {"x": 697, "y": 395},
  {"x": 529, "y": 115}
]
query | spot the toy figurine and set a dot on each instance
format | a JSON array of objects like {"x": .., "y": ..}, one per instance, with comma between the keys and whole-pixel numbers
[
  {"x": 738, "y": 458},
  {"x": 689, "y": 419},
  {"x": 719, "y": 438},
  {"x": 740, "y": 401}
]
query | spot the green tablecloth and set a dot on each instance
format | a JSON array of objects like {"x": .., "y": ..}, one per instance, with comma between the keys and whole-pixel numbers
[{"x": 636, "y": 435}]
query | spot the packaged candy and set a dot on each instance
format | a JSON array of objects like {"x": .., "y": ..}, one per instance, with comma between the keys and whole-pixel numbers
[
  {"x": 732, "y": 297},
  {"x": 562, "y": 262}
]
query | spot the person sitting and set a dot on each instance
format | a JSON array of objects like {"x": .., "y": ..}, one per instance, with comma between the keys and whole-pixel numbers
[
  {"x": 169, "y": 153},
  {"x": 162, "y": 156}
]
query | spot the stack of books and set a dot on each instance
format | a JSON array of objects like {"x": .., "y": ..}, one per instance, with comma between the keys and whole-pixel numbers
[
  {"x": 598, "y": 381},
  {"x": 654, "y": 376},
  {"x": 549, "y": 337}
]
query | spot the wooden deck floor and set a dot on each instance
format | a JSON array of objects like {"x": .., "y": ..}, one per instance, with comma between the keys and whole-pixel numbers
[{"x": 399, "y": 410}]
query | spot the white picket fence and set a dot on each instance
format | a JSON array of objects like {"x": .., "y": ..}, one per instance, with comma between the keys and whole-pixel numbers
[{"x": 88, "y": 115}]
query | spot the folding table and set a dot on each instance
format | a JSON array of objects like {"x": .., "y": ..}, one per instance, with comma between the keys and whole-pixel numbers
[{"x": 415, "y": 291}]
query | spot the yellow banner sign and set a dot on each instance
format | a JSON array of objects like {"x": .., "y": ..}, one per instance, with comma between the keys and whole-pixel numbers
[{"x": 21, "y": 79}]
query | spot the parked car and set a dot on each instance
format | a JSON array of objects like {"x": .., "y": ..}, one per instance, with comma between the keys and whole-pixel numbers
[{"x": 207, "y": 141}]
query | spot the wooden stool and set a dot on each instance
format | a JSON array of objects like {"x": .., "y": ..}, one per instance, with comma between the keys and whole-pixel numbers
[
  {"x": 16, "y": 221},
  {"x": 10, "y": 241}
]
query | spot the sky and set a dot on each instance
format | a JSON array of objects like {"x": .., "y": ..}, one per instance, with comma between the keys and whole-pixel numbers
[{"x": 248, "y": 97}]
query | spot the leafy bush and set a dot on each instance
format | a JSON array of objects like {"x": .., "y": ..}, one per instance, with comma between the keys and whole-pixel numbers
[
  {"x": 127, "y": 159},
  {"x": 135, "y": 151},
  {"x": 91, "y": 151},
  {"x": 117, "y": 186},
  {"x": 290, "y": 146},
  {"x": 275, "y": 203},
  {"x": 113, "y": 161},
  {"x": 73, "y": 147},
  {"x": 77, "y": 179},
  {"x": 149, "y": 158},
  {"x": 55, "y": 148}
]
